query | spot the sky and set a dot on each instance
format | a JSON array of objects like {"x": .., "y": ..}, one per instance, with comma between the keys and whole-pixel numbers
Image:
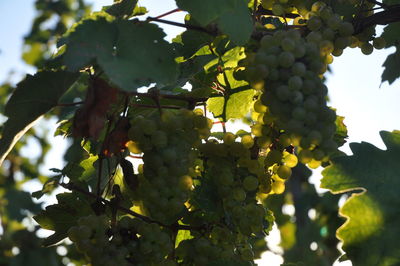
[{"x": 355, "y": 88}]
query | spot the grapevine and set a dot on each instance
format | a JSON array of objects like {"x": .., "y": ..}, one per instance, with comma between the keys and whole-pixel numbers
[{"x": 150, "y": 178}]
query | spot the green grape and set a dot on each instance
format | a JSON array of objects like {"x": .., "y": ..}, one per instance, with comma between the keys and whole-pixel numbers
[
  {"x": 290, "y": 160},
  {"x": 264, "y": 142},
  {"x": 346, "y": 29},
  {"x": 284, "y": 171},
  {"x": 379, "y": 43},
  {"x": 334, "y": 22},
  {"x": 314, "y": 23},
  {"x": 286, "y": 59},
  {"x": 229, "y": 138},
  {"x": 278, "y": 187},
  {"x": 247, "y": 141},
  {"x": 273, "y": 156},
  {"x": 250, "y": 183},
  {"x": 288, "y": 44},
  {"x": 285, "y": 140},
  {"x": 256, "y": 130},
  {"x": 367, "y": 48},
  {"x": 295, "y": 83},
  {"x": 299, "y": 69},
  {"x": 278, "y": 10},
  {"x": 159, "y": 139},
  {"x": 239, "y": 194}
]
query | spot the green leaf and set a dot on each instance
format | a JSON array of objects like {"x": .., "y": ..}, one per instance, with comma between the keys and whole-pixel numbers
[
  {"x": 232, "y": 16},
  {"x": 18, "y": 203},
  {"x": 237, "y": 23},
  {"x": 341, "y": 131},
  {"x": 391, "y": 34},
  {"x": 62, "y": 216},
  {"x": 122, "y": 8},
  {"x": 141, "y": 57},
  {"x": 392, "y": 67},
  {"x": 237, "y": 101},
  {"x": 131, "y": 53},
  {"x": 82, "y": 171},
  {"x": 370, "y": 234},
  {"x": 92, "y": 38},
  {"x": 33, "y": 97},
  {"x": 205, "y": 11},
  {"x": 182, "y": 235}
]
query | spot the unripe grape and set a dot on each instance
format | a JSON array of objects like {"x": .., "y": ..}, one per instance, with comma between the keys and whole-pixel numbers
[
  {"x": 346, "y": 29},
  {"x": 299, "y": 69},
  {"x": 256, "y": 130},
  {"x": 250, "y": 183},
  {"x": 288, "y": 44},
  {"x": 290, "y": 160},
  {"x": 284, "y": 171},
  {"x": 379, "y": 43},
  {"x": 367, "y": 48},
  {"x": 334, "y": 22},
  {"x": 278, "y": 10},
  {"x": 247, "y": 141},
  {"x": 239, "y": 194},
  {"x": 278, "y": 187},
  {"x": 264, "y": 142},
  {"x": 286, "y": 59},
  {"x": 305, "y": 156},
  {"x": 314, "y": 23},
  {"x": 295, "y": 83},
  {"x": 283, "y": 93}
]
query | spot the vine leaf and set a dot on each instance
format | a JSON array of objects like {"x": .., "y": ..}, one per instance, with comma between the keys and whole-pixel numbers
[
  {"x": 232, "y": 16},
  {"x": 131, "y": 53},
  {"x": 392, "y": 66},
  {"x": 122, "y": 8},
  {"x": 33, "y": 97},
  {"x": 62, "y": 216},
  {"x": 370, "y": 234},
  {"x": 391, "y": 33}
]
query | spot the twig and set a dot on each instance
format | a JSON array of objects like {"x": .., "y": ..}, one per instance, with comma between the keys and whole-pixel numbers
[
  {"x": 182, "y": 25},
  {"x": 168, "y": 13},
  {"x": 175, "y": 227}
]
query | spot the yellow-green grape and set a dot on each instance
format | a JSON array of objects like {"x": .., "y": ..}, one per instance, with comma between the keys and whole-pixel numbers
[
  {"x": 247, "y": 141},
  {"x": 284, "y": 171},
  {"x": 257, "y": 130},
  {"x": 278, "y": 187},
  {"x": 285, "y": 140},
  {"x": 229, "y": 138},
  {"x": 290, "y": 160},
  {"x": 305, "y": 156},
  {"x": 250, "y": 183}
]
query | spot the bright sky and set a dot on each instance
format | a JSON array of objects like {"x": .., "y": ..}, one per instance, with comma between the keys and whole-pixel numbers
[{"x": 355, "y": 88}]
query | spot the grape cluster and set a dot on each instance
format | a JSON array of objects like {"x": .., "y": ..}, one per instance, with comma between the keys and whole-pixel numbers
[
  {"x": 129, "y": 242},
  {"x": 167, "y": 143}
]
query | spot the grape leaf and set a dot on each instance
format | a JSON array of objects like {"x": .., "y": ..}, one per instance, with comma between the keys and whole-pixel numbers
[
  {"x": 33, "y": 97},
  {"x": 391, "y": 34},
  {"x": 232, "y": 16},
  {"x": 341, "y": 131},
  {"x": 90, "y": 39},
  {"x": 62, "y": 216},
  {"x": 392, "y": 66},
  {"x": 370, "y": 234},
  {"x": 122, "y": 8},
  {"x": 237, "y": 23},
  {"x": 131, "y": 53}
]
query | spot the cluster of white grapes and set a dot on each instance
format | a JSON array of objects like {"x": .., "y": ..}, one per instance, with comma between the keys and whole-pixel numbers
[
  {"x": 167, "y": 143},
  {"x": 129, "y": 242}
]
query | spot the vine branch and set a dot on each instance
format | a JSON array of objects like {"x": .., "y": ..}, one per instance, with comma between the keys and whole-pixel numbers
[
  {"x": 389, "y": 15},
  {"x": 174, "y": 227}
]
